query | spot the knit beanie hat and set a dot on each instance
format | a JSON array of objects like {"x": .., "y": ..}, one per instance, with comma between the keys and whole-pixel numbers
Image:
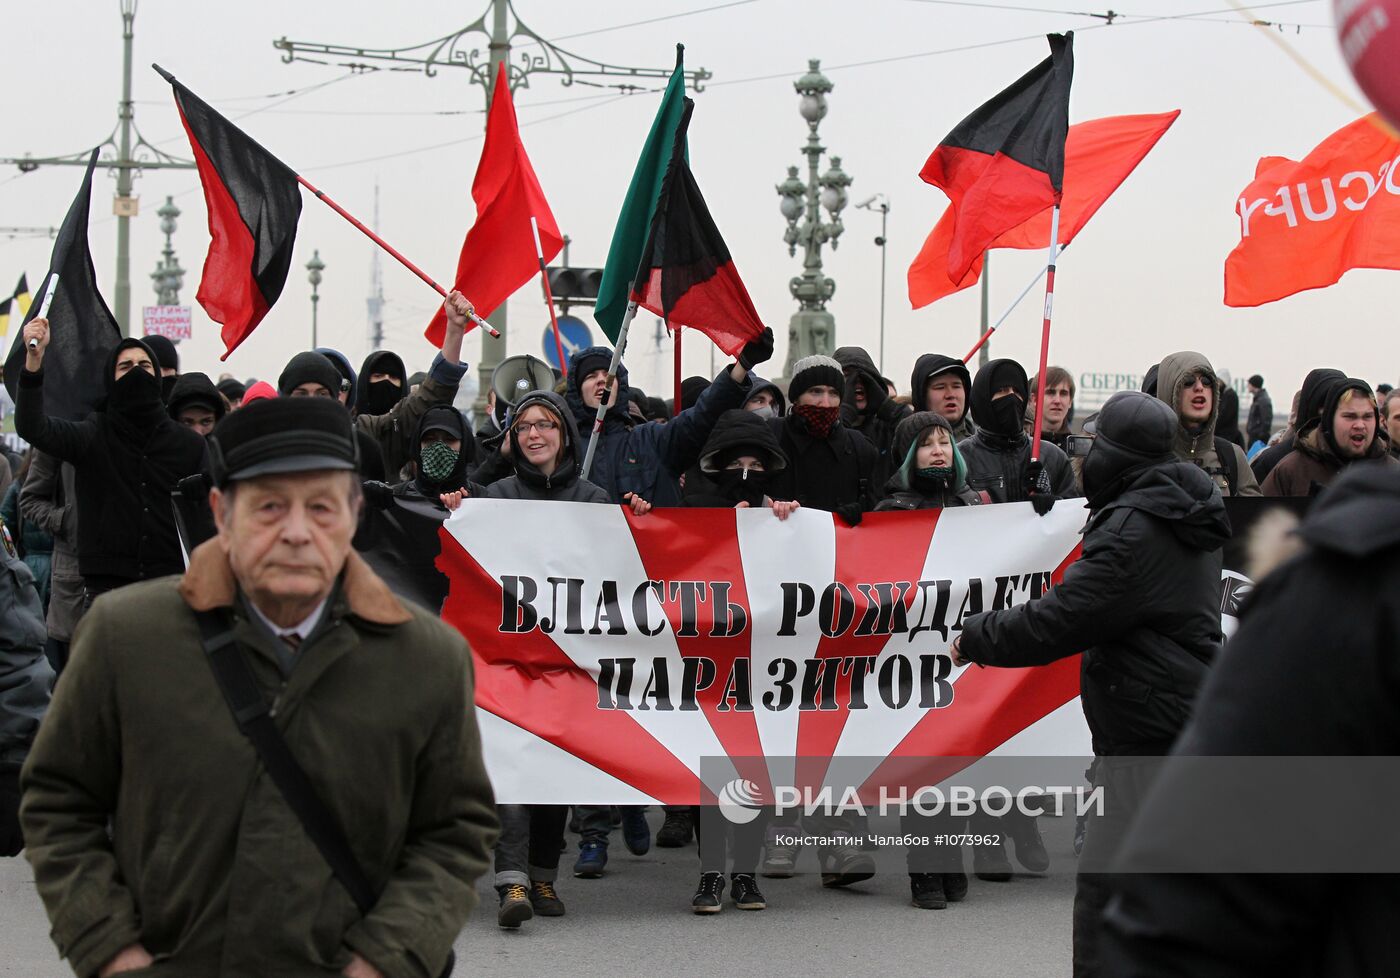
[{"x": 815, "y": 371}]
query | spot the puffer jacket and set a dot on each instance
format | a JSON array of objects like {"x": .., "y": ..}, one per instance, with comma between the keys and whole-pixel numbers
[
  {"x": 1197, "y": 444},
  {"x": 564, "y": 483},
  {"x": 904, "y": 490},
  {"x": 647, "y": 459},
  {"x": 1142, "y": 603}
]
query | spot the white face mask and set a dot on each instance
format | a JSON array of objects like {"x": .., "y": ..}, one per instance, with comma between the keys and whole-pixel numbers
[{"x": 767, "y": 412}]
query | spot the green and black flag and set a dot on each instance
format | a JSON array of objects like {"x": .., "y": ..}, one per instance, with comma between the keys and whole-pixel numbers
[
  {"x": 82, "y": 330},
  {"x": 692, "y": 280}
]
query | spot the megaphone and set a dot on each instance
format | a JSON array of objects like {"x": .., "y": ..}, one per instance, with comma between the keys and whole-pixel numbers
[{"x": 516, "y": 376}]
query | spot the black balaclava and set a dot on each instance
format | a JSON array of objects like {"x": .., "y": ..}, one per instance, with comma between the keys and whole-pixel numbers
[
  {"x": 1003, "y": 416},
  {"x": 742, "y": 485},
  {"x": 379, "y": 397},
  {"x": 453, "y": 476},
  {"x": 134, "y": 399}
]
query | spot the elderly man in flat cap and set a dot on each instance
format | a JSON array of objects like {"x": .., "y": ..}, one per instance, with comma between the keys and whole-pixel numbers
[{"x": 269, "y": 765}]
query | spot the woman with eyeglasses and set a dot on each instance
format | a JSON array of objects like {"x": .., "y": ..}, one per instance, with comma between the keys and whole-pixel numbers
[{"x": 542, "y": 445}]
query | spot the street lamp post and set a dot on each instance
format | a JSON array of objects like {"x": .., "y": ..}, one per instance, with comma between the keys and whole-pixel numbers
[
  {"x": 168, "y": 276},
  {"x": 883, "y": 206},
  {"x": 314, "y": 268},
  {"x": 812, "y": 328}
]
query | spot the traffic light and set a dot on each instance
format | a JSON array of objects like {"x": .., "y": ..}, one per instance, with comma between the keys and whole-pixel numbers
[{"x": 574, "y": 285}]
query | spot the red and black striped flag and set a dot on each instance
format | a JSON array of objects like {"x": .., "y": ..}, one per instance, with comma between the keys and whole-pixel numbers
[
  {"x": 692, "y": 280},
  {"x": 254, "y": 204},
  {"x": 1005, "y": 162}
]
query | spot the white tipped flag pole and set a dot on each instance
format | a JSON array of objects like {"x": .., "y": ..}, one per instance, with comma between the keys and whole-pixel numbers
[
  {"x": 44, "y": 304},
  {"x": 1045, "y": 331},
  {"x": 1009, "y": 309}
]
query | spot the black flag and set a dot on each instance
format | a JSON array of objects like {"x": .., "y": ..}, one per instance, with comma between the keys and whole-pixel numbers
[{"x": 82, "y": 330}]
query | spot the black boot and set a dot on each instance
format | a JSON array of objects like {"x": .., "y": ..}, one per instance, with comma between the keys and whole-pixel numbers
[
  {"x": 955, "y": 886},
  {"x": 927, "y": 890},
  {"x": 1030, "y": 847}
]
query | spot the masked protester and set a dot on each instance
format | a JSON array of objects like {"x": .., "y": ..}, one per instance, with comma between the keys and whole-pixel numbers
[
  {"x": 167, "y": 360},
  {"x": 399, "y": 533},
  {"x": 932, "y": 473},
  {"x": 382, "y": 384},
  {"x": 315, "y": 375},
  {"x": 829, "y": 467},
  {"x": 998, "y": 456},
  {"x": 766, "y": 399},
  {"x": 1344, "y": 435},
  {"x": 1187, "y": 383},
  {"x": 127, "y": 458},
  {"x": 1143, "y": 605},
  {"x": 1310, "y": 398},
  {"x": 943, "y": 385},
  {"x": 866, "y": 404}
]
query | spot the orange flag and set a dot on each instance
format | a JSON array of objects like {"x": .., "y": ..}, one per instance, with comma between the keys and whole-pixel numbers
[
  {"x": 1099, "y": 155},
  {"x": 1303, "y": 225}
]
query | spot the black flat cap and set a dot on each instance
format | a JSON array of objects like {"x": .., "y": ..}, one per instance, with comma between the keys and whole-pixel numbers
[{"x": 280, "y": 435}]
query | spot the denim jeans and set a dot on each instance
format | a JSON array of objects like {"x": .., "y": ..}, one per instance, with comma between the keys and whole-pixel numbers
[
  {"x": 595, "y": 821},
  {"x": 530, "y": 842}
]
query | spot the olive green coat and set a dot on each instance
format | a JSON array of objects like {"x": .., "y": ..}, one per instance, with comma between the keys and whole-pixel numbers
[{"x": 206, "y": 865}]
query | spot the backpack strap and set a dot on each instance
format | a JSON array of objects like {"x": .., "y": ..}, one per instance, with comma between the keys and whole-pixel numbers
[{"x": 1225, "y": 451}]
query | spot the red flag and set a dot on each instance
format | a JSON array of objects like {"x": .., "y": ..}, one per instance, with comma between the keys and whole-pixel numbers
[
  {"x": 1303, "y": 225},
  {"x": 498, "y": 256},
  {"x": 1005, "y": 162},
  {"x": 1099, "y": 155},
  {"x": 692, "y": 280}
]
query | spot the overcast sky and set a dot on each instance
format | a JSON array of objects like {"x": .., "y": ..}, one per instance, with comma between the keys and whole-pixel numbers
[{"x": 1142, "y": 280}]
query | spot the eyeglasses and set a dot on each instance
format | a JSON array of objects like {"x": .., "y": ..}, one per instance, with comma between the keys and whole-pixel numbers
[
  {"x": 1189, "y": 380},
  {"x": 543, "y": 427}
]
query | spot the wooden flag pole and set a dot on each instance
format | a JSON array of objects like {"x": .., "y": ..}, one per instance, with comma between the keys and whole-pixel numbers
[
  {"x": 1045, "y": 331},
  {"x": 1009, "y": 310},
  {"x": 549, "y": 297},
  {"x": 393, "y": 252}
]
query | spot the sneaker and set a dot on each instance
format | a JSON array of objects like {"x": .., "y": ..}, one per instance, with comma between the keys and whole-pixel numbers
[
  {"x": 955, "y": 886},
  {"x": 636, "y": 832},
  {"x": 990, "y": 863},
  {"x": 515, "y": 905},
  {"x": 780, "y": 861},
  {"x": 1030, "y": 847},
  {"x": 843, "y": 867},
  {"x": 545, "y": 900},
  {"x": 676, "y": 831},
  {"x": 592, "y": 860},
  {"x": 743, "y": 890},
  {"x": 927, "y": 891},
  {"x": 708, "y": 896}
]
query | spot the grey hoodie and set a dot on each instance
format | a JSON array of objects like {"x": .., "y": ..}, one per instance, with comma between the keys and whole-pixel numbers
[{"x": 1197, "y": 443}]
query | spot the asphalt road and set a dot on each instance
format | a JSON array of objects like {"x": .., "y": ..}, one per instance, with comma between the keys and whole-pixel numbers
[{"x": 637, "y": 921}]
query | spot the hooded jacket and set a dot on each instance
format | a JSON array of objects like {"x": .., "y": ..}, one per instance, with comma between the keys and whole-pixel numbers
[
  {"x": 564, "y": 483},
  {"x": 1198, "y": 444},
  {"x": 998, "y": 456},
  {"x": 1311, "y": 396},
  {"x": 648, "y": 458},
  {"x": 737, "y": 433},
  {"x": 380, "y": 397},
  {"x": 1142, "y": 602},
  {"x": 1315, "y": 460},
  {"x": 195, "y": 388},
  {"x": 925, "y": 369},
  {"x": 127, "y": 458},
  {"x": 1339, "y": 599},
  {"x": 882, "y": 413},
  {"x": 905, "y": 490},
  {"x": 760, "y": 385}
]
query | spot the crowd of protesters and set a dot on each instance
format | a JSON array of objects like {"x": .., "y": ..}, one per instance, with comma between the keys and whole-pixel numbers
[{"x": 88, "y": 510}]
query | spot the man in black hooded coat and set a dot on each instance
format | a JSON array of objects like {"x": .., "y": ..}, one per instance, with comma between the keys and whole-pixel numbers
[
  {"x": 383, "y": 382},
  {"x": 866, "y": 405},
  {"x": 954, "y": 391},
  {"x": 1312, "y": 398},
  {"x": 127, "y": 456},
  {"x": 998, "y": 456},
  {"x": 1143, "y": 606}
]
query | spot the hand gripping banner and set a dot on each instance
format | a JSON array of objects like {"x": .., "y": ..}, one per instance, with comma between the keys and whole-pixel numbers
[{"x": 614, "y": 652}]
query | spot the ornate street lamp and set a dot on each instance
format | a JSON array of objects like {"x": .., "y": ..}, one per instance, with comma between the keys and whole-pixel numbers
[
  {"x": 314, "y": 268},
  {"x": 168, "y": 276},
  {"x": 812, "y": 328}
]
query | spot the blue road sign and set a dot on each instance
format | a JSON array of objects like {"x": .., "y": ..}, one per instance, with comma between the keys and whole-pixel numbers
[{"x": 576, "y": 336}]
